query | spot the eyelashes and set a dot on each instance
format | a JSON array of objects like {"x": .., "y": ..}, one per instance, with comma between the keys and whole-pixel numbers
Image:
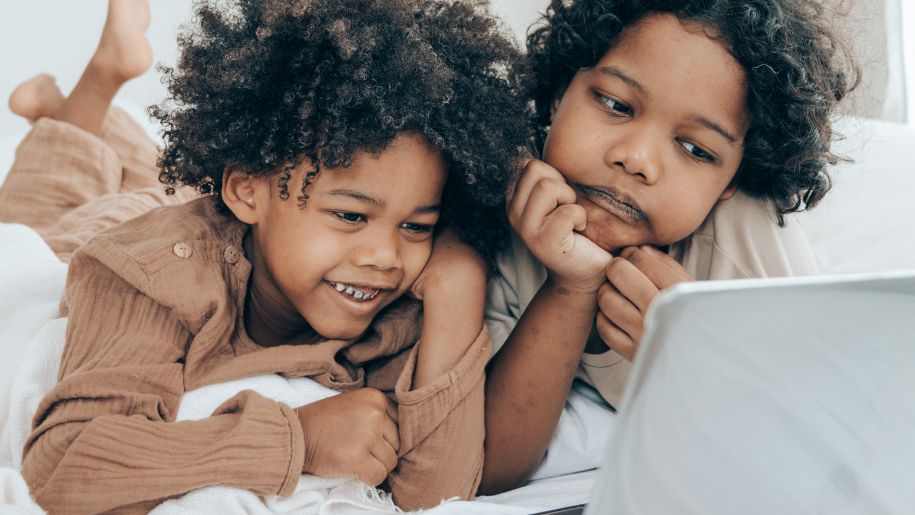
[
  {"x": 612, "y": 105},
  {"x": 619, "y": 109},
  {"x": 697, "y": 152},
  {"x": 352, "y": 218}
]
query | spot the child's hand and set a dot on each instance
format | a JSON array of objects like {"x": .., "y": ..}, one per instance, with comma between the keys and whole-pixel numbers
[
  {"x": 353, "y": 434},
  {"x": 543, "y": 212},
  {"x": 633, "y": 281}
]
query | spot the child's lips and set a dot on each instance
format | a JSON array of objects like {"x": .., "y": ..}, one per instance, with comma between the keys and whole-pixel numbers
[{"x": 615, "y": 201}]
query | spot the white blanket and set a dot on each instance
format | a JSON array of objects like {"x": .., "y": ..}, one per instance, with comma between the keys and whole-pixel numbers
[{"x": 31, "y": 341}]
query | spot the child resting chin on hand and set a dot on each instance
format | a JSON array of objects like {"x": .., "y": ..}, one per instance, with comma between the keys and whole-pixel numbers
[{"x": 675, "y": 136}]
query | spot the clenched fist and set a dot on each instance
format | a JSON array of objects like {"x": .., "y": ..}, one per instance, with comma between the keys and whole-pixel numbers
[
  {"x": 543, "y": 212},
  {"x": 353, "y": 434}
]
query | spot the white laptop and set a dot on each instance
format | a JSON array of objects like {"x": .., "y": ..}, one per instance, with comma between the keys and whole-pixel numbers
[{"x": 793, "y": 396}]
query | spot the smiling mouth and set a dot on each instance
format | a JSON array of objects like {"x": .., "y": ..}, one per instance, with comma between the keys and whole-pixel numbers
[
  {"x": 354, "y": 292},
  {"x": 614, "y": 201}
]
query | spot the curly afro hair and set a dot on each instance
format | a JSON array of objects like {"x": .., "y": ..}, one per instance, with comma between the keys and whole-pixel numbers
[
  {"x": 262, "y": 84},
  {"x": 797, "y": 72}
]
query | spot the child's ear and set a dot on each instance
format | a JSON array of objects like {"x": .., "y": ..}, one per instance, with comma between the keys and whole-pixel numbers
[
  {"x": 239, "y": 194},
  {"x": 728, "y": 192}
]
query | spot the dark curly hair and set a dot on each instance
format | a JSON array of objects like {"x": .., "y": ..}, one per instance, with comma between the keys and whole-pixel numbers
[
  {"x": 797, "y": 72},
  {"x": 265, "y": 83}
]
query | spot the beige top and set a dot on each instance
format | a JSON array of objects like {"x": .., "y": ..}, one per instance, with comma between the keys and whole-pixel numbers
[
  {"x": 740, "y": 239},
  {"x": 155, "y": 309}
]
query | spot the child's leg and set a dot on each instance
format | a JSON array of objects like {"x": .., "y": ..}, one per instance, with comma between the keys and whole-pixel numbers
[
  {"x": 123, "y": 53},
  {"x": 40, "y": 97},
  {"x": 62, "y": 169}
]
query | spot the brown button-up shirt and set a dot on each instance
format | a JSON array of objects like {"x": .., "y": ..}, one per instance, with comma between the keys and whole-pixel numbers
[{"x": 155, "y": 308}]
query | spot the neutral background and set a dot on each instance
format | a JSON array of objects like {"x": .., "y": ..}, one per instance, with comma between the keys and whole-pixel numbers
[{"x": 58, "y": 36}]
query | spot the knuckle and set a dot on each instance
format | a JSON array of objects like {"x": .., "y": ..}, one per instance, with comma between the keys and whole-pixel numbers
[
  {"x": 615, "y": 270},
  {"x": 376, "y": 477},
  {"x": 633, "y": 255},
  {"x": 628, "y": 251},
  {"x": 542, "y": 187},
  {"x": 603, "y": 292},
  {"x": 376, "y": 397}
]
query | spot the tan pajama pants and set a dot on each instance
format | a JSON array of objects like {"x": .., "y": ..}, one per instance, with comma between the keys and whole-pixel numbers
[{"x": 68, "y": 188}]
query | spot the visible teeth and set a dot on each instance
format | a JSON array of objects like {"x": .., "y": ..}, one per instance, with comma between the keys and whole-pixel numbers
[{"x": 356, "y": 293}]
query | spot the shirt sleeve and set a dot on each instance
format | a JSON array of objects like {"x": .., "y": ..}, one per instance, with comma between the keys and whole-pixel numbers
[
  {"x": 441, "y": 431},
  {"x": 111, "y": 416},
  {"x": 517, "y": 280}
]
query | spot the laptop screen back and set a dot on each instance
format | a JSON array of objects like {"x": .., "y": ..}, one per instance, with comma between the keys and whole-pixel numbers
[{"x": 762, "y": 397}]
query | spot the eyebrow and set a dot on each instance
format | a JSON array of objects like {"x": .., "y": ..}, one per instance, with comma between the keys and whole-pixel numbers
[
  {"x": 368, "y": 199},
  {"x": 613, "y": 71},
  {"x": 705, "y": 122}
]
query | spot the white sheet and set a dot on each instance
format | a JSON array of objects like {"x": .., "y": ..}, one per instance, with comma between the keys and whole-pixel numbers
[{"x": 31, "y": 341}]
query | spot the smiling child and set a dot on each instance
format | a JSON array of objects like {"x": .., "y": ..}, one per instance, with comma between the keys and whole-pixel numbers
[{"x": 337, "y": 145}]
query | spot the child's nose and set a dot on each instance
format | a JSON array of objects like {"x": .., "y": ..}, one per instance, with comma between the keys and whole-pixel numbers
[
  {"x": 637, "y": 154},
  {"x": 380, "y": 250}
]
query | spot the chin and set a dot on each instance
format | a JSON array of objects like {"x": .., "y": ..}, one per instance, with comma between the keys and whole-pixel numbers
[{"x": 342, "y": 331}]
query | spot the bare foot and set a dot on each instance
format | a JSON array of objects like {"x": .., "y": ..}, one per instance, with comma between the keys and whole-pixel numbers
[
  {"x": 123, "y": 51},
  {"x": 36, "y": 98}
]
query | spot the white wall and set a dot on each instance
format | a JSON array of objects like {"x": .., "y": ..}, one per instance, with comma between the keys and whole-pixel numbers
[
  {"x": 59, "y": 36},
  {"x": 908, "y": 52}
]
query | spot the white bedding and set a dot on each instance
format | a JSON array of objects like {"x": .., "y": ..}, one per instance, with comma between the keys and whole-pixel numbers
[{"x": 31, "y": 341}]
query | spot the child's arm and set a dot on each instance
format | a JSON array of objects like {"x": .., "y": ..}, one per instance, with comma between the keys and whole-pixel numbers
[
  {"x": 529, "y": 379},
  {"x": 440, "y": 391},
  {"x": 105, "y": 436}
]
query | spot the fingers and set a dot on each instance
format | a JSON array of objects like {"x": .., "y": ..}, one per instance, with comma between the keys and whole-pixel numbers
[
  {"x": 534, "y": 172},
  {"x": 614, "y": 337},
  {"x": 386, "y": 455},
  {"x": 520, "y": 166},
  {"x": 372, "y": 471},
  {"x": 389, "y": 429},
  {"x": 391, "y": 409},
  {"x": 631, "y": 283},
  {"x": 546, "y": 196},
  {"x": 661, "y": 269},
  {"x": 619, "y": 311},
  {"x": 560, "y": 224}
]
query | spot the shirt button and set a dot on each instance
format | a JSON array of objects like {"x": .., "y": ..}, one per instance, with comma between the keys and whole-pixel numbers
[
  {"x": 231, "y": 255},
  {"x": 182, "y": 250}
]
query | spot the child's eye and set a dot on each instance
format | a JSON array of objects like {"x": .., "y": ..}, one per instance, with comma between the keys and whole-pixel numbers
[
  {"x": 418, "y": 228},
  {"x": 348, "y": 217},
  {"x": 697, "y": 152},
  {"x": 613, "y": 105}
]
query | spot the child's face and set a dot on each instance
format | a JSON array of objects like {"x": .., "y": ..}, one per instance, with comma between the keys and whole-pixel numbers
[
  {"x": 361, "y": 241},
  {"x": 651, "y": 137}
]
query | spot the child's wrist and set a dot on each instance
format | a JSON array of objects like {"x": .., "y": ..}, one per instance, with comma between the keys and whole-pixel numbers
[
  {"x": 303, "y": 416},
  {"x": 573, "y": 287}
]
